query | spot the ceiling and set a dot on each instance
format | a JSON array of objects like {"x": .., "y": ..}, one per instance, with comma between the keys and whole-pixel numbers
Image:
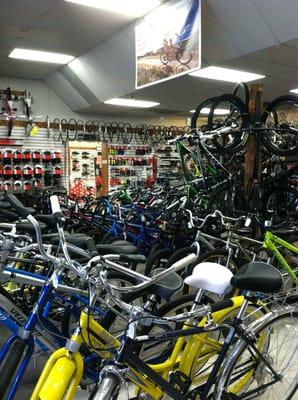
[
  {"x": 236, "y": 34},
  {"x": 51, "y": 25}
]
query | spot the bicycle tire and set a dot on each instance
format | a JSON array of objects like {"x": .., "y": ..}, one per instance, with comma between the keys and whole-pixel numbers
[
  {"x": 184, "y": 56},
  {"x": 238, "y": 138},
  {"x": 265, "y": 342},
  {"x": 280, "y": 203},
  {"x": 72, "y": 127},
  {"x": 114, "y": 133},
  {"x": 127, "y": 133},
  {"x": 64, "y": 130},
  {"x": 141, "y": 134},
  {"x": 10, "y": 364},
  {"x": 270, "y": 141},
  {"x": 157, "y": 260},
  {"x": 194, "y": 124},
  {"x": 56, "y": 126},
  {"x": 244, "y": 87}
]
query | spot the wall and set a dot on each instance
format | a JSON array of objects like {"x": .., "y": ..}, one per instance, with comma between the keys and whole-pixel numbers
[{"x": 47, "y": 102}]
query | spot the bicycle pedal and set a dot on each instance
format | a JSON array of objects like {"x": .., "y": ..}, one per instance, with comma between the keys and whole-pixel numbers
[{"x": 181, "y": 381}]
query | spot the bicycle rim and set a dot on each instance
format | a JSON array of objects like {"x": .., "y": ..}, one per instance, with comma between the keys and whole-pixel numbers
[{"x": 277, "y": 342}]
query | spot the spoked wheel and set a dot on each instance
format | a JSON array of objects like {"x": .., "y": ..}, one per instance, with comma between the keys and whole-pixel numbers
[
  {"x": 247, "y": 374},
  {"x": 184, "y": 56},
  {"x": 228, "y": 111},
  {"x": 281, "y": 118},
  {"x": 281, "y": 203}
]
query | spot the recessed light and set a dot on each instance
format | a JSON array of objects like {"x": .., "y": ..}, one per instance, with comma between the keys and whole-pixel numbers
[
  {"x": 42, "y": 56},
  {"x": 131, "y": 103},
  {"x": 226, "y": 74},
  {"x": 217, "y": 111},
  {"x": 294, "y": 91},
  {"x": 134, "y": 8}
]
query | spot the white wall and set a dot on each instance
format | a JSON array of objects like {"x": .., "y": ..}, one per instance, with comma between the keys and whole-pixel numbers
[{"x": 47, "y": 102}]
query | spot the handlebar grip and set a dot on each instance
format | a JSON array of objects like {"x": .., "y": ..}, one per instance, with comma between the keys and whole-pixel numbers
[
  {"x": 56, "y": 210},
  {"x": 184, "y": 262},
  {"x": 131, "y": 257},
  {"x": 91, "y": 246},
  {"x": 20, "y": 209}
]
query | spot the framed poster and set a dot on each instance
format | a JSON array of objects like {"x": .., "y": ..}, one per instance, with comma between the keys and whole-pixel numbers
[{"x": 168, "y": 42}]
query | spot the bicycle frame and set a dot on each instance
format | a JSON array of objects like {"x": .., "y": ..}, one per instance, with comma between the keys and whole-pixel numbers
[
  {"x": 270, "y": 243},
  {"x": 148, "y": 377},
  {"x": 18, "y": 323}
]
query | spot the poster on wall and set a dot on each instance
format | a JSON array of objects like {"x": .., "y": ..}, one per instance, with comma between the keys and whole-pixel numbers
[{"x": 168, "y": 42}]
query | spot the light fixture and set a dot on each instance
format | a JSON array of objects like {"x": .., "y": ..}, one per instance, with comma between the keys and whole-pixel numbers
[
  {"x": 42, "y": 56},
  {"x": 131, "y": 103},
  {"x": 134, "y": 8},
  {"x": 217, "y": 111},
  {"x": 226, "y": 74},
  {"x": 294, "y": 91}
]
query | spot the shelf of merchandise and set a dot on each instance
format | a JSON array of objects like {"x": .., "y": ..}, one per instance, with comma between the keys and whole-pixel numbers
[
  {"x": 168, "y": 162},
  {"x": 129, "y": 165}
]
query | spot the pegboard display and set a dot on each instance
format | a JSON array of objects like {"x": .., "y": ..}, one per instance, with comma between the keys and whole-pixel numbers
[{"x": 30, "y": 161}]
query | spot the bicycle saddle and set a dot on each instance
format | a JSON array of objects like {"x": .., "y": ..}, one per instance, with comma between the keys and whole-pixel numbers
[
  {"x": 27, "y": 227},
  {"x": 210, "y": 276},
  {"x": 258, "y": 277},
  {"x": 8, "y": 216},
  {"x": 49, "y": 220},
  {"x": 117, "y": 247}
]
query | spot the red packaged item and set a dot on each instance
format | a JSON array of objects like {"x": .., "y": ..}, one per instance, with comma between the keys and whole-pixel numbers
[
  {"x": 1, "y": 170},
  {"x": 17, "y": 171},
  {"x": 1, "y": 157},
  {"x": 17, "y": 185},
  {"x": 7, "y": 156},
  {"x": 7, "y": 185},
  {"x": 7, "y": 171},
  {"x": 56, "y": 157},
  {"x": 27, "y": 155},
  {"x": 27, "y": 171},
  {"x": 36, "y": 156},
  {"x": 36, "y": 183},
  {"x": 46, "y": 157},
  {"x": 57, "y": 171},
  {"x": 77, "y": 189},
  {"x": 27, "y": 185},
  {"x": 38, "y": 171},
  {"x": 17, "y": 156}
]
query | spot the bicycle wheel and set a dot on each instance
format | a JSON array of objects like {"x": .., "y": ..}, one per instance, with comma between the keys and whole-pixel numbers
[
  {"x": 229, "y": 111},
  {"x": 245, "y": 374},
  {"x": 10, "y": 364},
  {"x": 56, "y": 126},
  {"x": 141, "y": 134},
  {"x": 114, "y": 133},
  {"x": 126, "y": 133},
  {"x": 280, "y": 203},
  {"x": 184, "y": 56},
  {"x": 64, "y": 130},
  {"x": 281, "y": 117},
  {"x": 72, "y": 129}
]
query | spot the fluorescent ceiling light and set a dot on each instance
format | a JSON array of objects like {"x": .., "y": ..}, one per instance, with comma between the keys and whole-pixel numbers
[
  {"x": 131, "y": 103},
  {"x": 294, "y": 91},
  {"x": 226, "y": 74},
  {"x": 42, "y": 56},
  {"x": 134, "y": 8},
  {"x": 217, "y": 111}
]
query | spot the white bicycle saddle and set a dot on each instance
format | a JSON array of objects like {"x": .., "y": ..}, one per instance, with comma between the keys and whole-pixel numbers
[{"x": 210, "y": 276}]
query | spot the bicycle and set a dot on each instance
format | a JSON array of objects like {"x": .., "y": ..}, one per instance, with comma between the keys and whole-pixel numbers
[{"x": 65, "y": 366}]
